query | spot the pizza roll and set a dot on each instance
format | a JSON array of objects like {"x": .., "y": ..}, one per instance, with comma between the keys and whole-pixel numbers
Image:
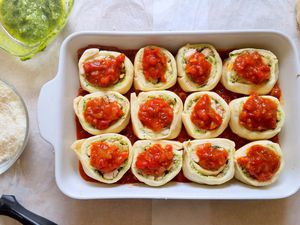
[
  {"x": 102, "y": 112},
  {"x": 205, "y": 115},
  {"x": 105, "y": 157},
  {"x": 258, "y": 163},
  {"x": 256, "y": 117},
  {"x": 250, "y": 70},
  {"x": 105, "y": 71},
  {"x": 154, "y": 69},
  {"x": 209, "y": 161},
  {"x": 156, "y": 115},
  {"x": 199, "y": 67},
  {"x": 155, "y": 163}
]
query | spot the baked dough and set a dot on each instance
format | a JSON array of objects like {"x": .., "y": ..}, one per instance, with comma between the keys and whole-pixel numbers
[
  {"x": 236, "y": 107},
  {"x": 79, "y": 108},
  {"x": 141, "y": 146},
  {"x": 211, "y": 55},
  {"x": 242, "y": 176},
  {"x": 140, "y": 83},
  {"x": 126, "y": 78},
  {"x": 217, "y": 103},
  {"x": 143, "y": 132},
  {"x": 82, "y": 150},
  {"x": 194, "y": 172},
  {"x": 234, "y": 83}
]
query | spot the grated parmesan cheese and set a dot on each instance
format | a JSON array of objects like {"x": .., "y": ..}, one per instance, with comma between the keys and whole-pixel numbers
[{"x": 12, "y": 123}]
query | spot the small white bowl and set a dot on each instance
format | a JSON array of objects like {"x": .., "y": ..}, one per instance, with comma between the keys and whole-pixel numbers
[{"x": 8, "y": 163}]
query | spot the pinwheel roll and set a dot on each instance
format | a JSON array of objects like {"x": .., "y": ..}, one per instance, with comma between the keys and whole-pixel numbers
[
  {"x": 102, "y": 112},
  {"x": 250, "y": 70},
  {"x": 105, "y": 157},
  {"x": 105, "y": 71},
  {"x": 199, "y": 67},
  {"x": 155, "y": 163},
  {"x": 256, "y": 117},
  {"x": 209, "y": 161},
  {"x": 205, "y": 115},
  {"x": 154, "y": 69},
  {"x": 156, "y": 115},
  {"x": 258, "y": 163}
]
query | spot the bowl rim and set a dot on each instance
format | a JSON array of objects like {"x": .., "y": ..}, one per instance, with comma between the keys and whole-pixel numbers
[{"x": 8, "y": 163}]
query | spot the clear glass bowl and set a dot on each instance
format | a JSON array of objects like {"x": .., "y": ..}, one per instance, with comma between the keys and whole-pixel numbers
[
  {"x": 8, "y": 163},
  {"x": 11, "y": 41}
]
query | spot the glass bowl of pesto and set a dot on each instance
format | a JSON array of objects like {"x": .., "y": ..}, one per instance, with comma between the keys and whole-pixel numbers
[{"x": 28, "y": 26}]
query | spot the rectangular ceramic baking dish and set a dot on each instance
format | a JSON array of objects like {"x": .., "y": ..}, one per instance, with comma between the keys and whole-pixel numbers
[{"x": 57, "y": 126}]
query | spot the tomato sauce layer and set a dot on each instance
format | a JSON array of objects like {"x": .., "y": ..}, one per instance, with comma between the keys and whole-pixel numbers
[
  {"x": 198, "y": 68},
  {"x": 101, "y": 113},
  {"x": 251, "y": 67},
  {"x": 155, "y": 160},
  {"x": 261, "y": 163},
  {"x": 204, "y": 116},
  {"x": 154, "y": 65},
  {"x": 258, "y": 114},
  {"x": 104, "y": 72},
  {"x": 156, "y": 114},
  {"x": 106, "y": 157},
  {"x": 210, "y": 157},
  {"x": 128, "y": 131}
]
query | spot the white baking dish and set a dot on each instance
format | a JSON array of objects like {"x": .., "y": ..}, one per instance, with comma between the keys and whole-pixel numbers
[{"x": 56, "y": 116}]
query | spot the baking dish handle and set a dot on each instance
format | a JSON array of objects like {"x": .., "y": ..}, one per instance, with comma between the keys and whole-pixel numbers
[{"x": 48, "y": 109}]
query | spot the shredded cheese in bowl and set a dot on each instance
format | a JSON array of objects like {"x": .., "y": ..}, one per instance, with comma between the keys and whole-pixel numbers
[{"x": 14, "y": 126}]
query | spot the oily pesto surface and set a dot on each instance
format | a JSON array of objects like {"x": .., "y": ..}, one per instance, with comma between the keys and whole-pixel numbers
[
  {"x": 183, "y": 136},
  {"x": 30, "y": 21}
]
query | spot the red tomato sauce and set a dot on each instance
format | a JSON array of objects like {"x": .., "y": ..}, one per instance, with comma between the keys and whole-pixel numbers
[
  {"x": 106, "y": 157},
  {"x": 156, "y": 114},
  {"x": 198, "y": 68},
  {"x": 210, "y": 157},
  {"x": 261, "y": 163},
  {"x": 154, "y": 65},
  {"x": 104, "y": 72},
  {"x": 258, "y": 114},
  {"x": 101, "y": 113},
  {"x": 204, "y": 116},
  {"x": 155, "y": 160},
  {"x": 251, "y": 67},
  {"x": 183, "y": 136}
]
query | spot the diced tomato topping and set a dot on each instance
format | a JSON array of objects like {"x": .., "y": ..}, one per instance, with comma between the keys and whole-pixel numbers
[
  {"x": 210, "y": 157},
  {"x": 101, "y": 113},
  {"x": 155, "y": 160},
  {"x": 156, "y": 114},
  {"x": 198, "y": 68},
  {"x": 251, "y": 67},
  {"x": 261, "y": 163},
  {"x": 154, "y": 65},
  {"x": 204, "y": 116},
  {"x": 104, "y": 72},
  {"x": 258, "y": 114},
  {"x": 106, "y": 157}
]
